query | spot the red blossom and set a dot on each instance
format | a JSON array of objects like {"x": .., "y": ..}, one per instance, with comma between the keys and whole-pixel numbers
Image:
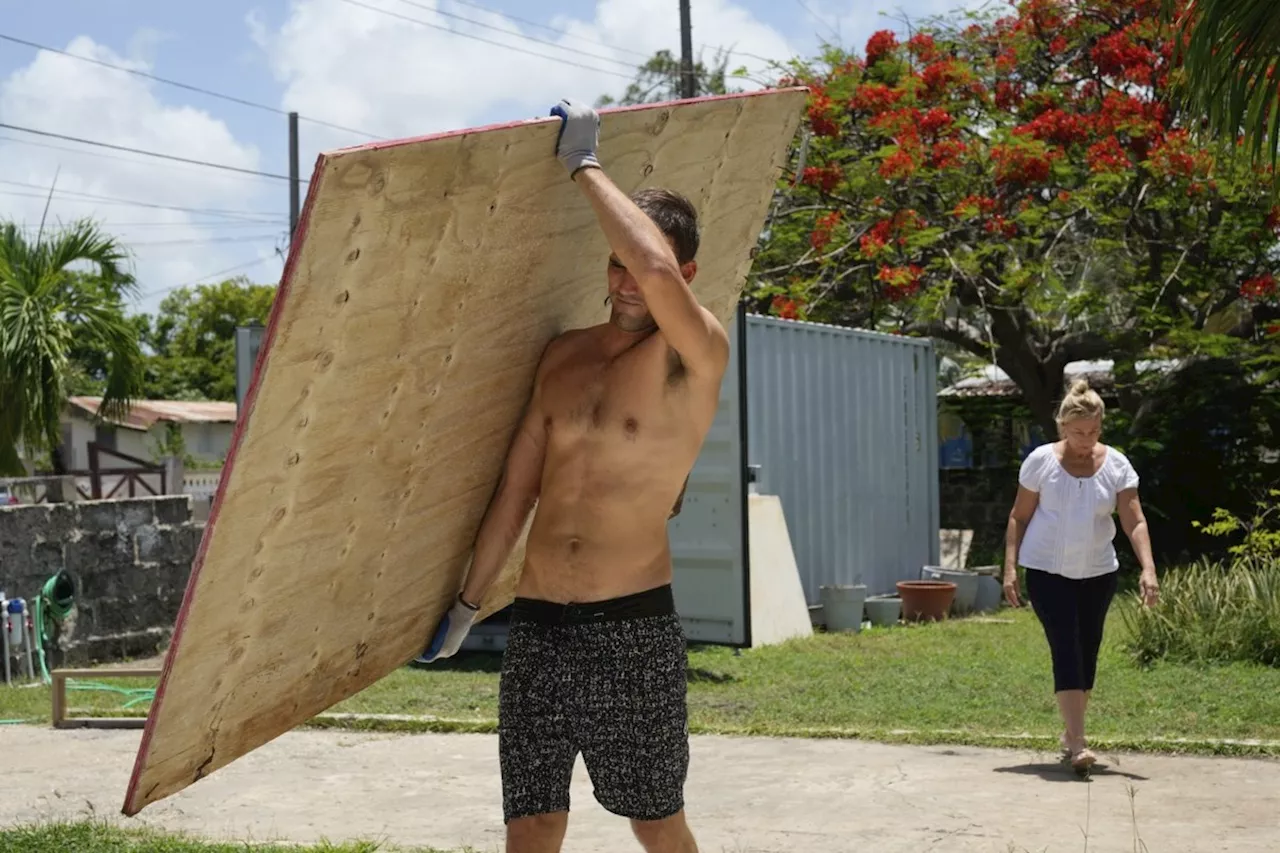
[
  {"x": 1006, "y": 61},
  {"x": 1008, "y": 95},
  {"x": 936, "y": 122},
  {"x": 1273, "y": 220},
  {"x": 938, "y": 76},
  {"x": 922, "y": 47},
  {"x": 875, "y": 98},
  {"x": 1057, "y": 126},
  {"x": 785, "y": 307},
  {"x": 1259, "y": 287},
  {"x": 900, "y": 164},
  {"x": 825, "y": 178},
  {"x": 900, "y": 282},
  {"x": 823, "y": 229},
  {"x": 1108, "y": 156},
  {"x": 1022, "y": 164},
  {"x": 1176, "y": 157},
  {"x": 947, "y": 153},
  {"x": 1000, "y": 225},
  {"x": 1273, "y": 329},
  {"x": 971, "y": 205},
  {"x": 1118, "y": 55},
  {"x": 902, "y": 124},
  {"x": 880, "y": 45},
  {"x": 821, "y": 115},
  {"x": 1058, "y": 45}
]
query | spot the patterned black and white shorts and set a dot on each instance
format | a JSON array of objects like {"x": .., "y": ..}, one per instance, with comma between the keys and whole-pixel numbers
[{"x": 607, "y": 679}]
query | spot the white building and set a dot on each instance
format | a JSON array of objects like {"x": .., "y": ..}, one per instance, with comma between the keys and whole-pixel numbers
[{"x": 206, "y": 429}]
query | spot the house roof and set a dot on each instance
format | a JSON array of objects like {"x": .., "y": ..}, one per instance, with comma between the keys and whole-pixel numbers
[
  {"x": 994, "y": 382},
  {"x": 144, "y": 414}
]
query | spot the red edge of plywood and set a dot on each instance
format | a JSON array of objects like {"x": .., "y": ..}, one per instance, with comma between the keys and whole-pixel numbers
[{"x": 131, "y": 806}]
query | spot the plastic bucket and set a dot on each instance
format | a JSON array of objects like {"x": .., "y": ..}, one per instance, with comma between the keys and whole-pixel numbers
[{"x": 842, "y": 606}]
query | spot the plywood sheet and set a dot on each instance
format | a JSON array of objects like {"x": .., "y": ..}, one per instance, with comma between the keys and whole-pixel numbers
[{"x": 426, "y": 280}]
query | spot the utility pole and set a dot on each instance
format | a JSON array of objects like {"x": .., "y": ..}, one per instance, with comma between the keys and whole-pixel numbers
[
  {"x": 294, "y": 182},
  {"x": 688, "y": 83}
]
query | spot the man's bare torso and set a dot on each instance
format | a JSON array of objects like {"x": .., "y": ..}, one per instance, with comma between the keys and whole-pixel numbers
[{"x": 624, "y": 423}]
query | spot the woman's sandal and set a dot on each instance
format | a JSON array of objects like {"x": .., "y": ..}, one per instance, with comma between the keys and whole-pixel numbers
[{"x": 1083, "y": 760}]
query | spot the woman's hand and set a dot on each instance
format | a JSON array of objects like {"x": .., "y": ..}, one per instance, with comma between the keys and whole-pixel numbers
[
  {"x": 1011, "y": 587},
  {"x": 1149, "y": 587}
]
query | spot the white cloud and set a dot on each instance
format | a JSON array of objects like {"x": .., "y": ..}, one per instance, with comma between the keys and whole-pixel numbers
[
  {"x": 396, "y": 78},
  {"x": 65, "y": 96}
]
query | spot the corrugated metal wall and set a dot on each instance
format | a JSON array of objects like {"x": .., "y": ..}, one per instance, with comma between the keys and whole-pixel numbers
[{"x": 844, "y": 426}]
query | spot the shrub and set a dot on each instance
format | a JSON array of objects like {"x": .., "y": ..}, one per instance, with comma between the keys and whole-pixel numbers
[{"x": 1211, "y": 613}]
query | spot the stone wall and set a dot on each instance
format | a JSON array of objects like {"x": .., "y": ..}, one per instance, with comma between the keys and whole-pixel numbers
[
  {"x": 129, "y": 560},
  {"x": 978, "y": 499}
]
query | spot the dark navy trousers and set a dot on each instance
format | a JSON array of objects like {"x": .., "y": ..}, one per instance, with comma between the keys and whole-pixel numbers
[{"x": 1072, "y": 613}]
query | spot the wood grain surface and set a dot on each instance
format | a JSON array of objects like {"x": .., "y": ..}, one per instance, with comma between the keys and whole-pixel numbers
[{"x": 427, "y": 278}]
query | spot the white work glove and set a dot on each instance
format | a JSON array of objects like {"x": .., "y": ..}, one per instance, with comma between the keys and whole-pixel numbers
[
  {"x": 579, "y": 135},
  {"x": 450, "y": 633}
]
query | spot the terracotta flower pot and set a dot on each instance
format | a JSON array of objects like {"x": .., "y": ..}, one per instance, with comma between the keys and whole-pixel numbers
[{"x": 926, "y": 601}]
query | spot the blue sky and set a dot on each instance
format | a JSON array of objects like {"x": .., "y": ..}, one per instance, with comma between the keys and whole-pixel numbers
[{"x": 327, "y": 59}]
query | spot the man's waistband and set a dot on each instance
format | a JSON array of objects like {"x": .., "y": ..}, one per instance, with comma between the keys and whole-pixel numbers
[{"x": 658, "y": 601}]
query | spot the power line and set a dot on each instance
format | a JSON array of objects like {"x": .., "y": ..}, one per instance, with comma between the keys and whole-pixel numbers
[
  {"x": 215, "y": 225},
  {"x": 232, "y": 98},
  {"x": 585, "y": 40},
  {"x": 103, "y": 156},
  {"x": 147, "y": 153},
  {"x": 240, "y": 215},
  {"x": 515, "y": 33},
  {"x": 562, "y": 61},
  {"x": 202, "y": 278},
  {"x": 200, "y": 241}
]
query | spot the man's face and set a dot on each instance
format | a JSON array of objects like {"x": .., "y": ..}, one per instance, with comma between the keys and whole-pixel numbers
[{"x": 629, "y": 310}]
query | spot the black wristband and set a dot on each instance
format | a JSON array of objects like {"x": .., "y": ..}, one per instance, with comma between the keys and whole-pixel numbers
[{"x": 467, "y": 604}]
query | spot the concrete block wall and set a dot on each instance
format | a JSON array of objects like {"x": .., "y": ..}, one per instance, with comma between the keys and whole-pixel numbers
[
  {"x": 129, "y": 559},
  {"x": 978, "y": 499}
]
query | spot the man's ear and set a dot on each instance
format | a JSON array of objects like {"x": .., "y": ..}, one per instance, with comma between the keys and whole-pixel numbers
[{"x": 689, "y": 270}]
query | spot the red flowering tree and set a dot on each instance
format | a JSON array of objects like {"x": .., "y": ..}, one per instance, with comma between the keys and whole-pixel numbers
[{"x": 1020, "y": 187}]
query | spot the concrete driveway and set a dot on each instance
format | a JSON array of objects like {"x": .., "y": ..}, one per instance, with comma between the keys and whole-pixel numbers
[{"x": 746, "y": 795}]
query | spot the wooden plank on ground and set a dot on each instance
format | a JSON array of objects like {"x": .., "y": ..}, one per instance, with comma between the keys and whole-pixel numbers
[
  {"x": 426, "y": 279},
  {"x": 60, "y": 710}
]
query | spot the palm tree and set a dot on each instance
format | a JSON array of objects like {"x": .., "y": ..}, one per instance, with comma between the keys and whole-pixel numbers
[
  {"x": 1230, "y": 56},
  {"x": 44, "y": 307}
]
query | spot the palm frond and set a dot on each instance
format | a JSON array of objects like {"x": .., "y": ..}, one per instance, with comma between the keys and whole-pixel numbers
[
  {"x": 43, "y": 308},
  {"x": 83, "y": 240},
  {"x": 1229, "y": 52}
]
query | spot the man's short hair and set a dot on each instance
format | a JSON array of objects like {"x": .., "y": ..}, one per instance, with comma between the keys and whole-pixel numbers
[{"x": 675, "y": 216}]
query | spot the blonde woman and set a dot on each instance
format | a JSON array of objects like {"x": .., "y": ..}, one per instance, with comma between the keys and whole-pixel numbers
[{"x": 1060, "y": 531}]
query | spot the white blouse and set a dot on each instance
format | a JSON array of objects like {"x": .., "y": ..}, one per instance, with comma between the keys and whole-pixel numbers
[{"x": 1071, "y": 531}]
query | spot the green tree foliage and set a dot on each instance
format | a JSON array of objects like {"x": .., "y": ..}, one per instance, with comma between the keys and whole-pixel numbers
[
  {"x": 47, "y": 312},
  {"x": 192, "y": 338},
  {"x": 659, "y": 80},
  {"x": 1021, "y": 188}
]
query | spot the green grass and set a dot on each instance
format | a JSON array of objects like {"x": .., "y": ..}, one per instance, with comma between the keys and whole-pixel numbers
[
  {"x": 90, "y": 837},
  {"x": 977, "y": 681}
]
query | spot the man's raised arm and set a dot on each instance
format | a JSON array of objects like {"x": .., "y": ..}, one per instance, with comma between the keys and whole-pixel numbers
[{"x": 691, "y": 330}]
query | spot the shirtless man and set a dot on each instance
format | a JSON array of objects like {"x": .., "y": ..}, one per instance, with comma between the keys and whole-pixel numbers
[{"x": 595, "y": 659}]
